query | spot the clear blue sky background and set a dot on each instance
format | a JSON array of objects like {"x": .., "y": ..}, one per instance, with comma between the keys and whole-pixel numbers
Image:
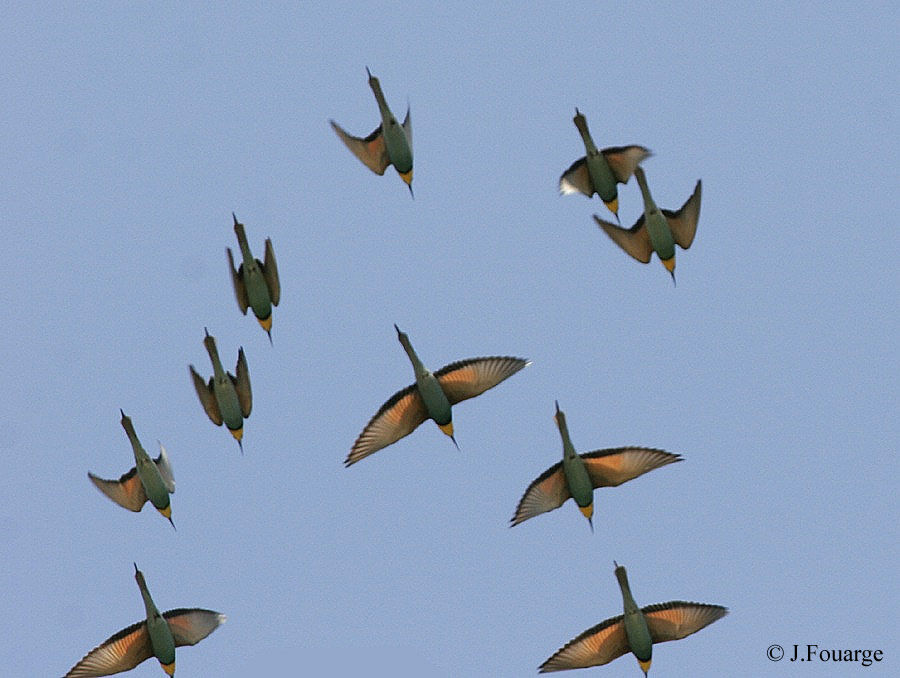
[{"x": 131, "y": 131}]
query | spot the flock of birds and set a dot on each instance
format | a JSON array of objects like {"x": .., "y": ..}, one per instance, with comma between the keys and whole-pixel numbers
[{"x": 227, "y": 398}]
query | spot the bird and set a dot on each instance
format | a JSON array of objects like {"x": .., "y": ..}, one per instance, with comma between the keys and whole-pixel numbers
[
  {"x": 157, "y": 636},
  {"x": 389, "y": 144},
  {"x": 636, "y": 631},
  {"x": 225, "y": 397},
  {"x": 149, "y": 479},
  {"x": 577, "y": 475},
  {"x": 255, "y": 283},
  {"x": 430, "y": 397},
  {"x": 657, "y": 230},
  {"x": 599, "y": 171}
]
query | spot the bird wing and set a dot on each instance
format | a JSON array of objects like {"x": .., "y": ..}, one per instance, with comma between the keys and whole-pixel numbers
[
  {"x": 397, "y": 418},
  {"x": 237, "y": 280},
  {"x": 623, "y": 159},
  {"x": 549, "y": 491},
  {"x": 165, "y": 469},
  {"x": 127, "y": 491},
  {"x": 121, "y": 652},
  {"x": 635, "y": 240},
  {"x": 683, "y": 223},
  {"x": 372, "y": 150},
  {"x": 407, "y": 127},
  {"x": 191, "y": 625},
  {"x": 677, "y": 619},
  {"x": 596, "y": 646},
  {"x": 468, "y": 378},
  {"x": 270, "y": 273},
  {"x": 242, "y": 384},
  {"x": 608, "y": 468},
  {"x": 577, "y": 179},
  {"x": 207, "y": 397}
]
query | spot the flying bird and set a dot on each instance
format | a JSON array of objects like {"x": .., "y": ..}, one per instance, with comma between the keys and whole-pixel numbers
[
  {"x": 226, "y": 397},
  {"x": 389, "y": 144},
  {"x": 431, "y": 397},
  {"x": 255, "y": 283},
  {"x": 149, "y": 479},
  {"x": 657, "y": 230},
  {"x": 577, "y": 475},
  {"x": 157, "y": 636},
  {"x": 599, "y": 171},
  {"x": 636, "y": 631}
]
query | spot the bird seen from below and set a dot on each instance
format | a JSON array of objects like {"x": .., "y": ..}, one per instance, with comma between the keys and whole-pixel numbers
[
  {"x": 599, "y": 171},
  {"x": 226, "y": 397},
  {"x": 256, "y": 283},
  {"x": 430, "y": 397},
  {"x": 657, "y": 230},
  {"x": 157, "y": 636},
  {"x": 636, "y": 631},
  {"x": 577, "y": 475},
  {"x": 389, "y": 144},
  {"x": 149, "y": 479}
]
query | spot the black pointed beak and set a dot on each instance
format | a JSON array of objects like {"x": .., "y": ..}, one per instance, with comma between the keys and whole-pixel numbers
[
  {"x": 173, "y": 524},
  {"x": 674, "y": 282},
  {"x": 269, "y": 333},
  {"x": 454, "y": 442},
  {"x": 409, "y": 186}
]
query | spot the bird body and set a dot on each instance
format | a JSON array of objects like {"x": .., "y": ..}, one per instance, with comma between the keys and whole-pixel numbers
[
  {"x": 577, "y": 475},
  {"x": 156, "y": 636},
  {"x": 431, "y": 397},
  {"x": 599, "y": 171},
  {"x": 635, "y": 631},
  {"x": 225, "y": 398},
  {"x": 657, "y": 230},
  {"x": 389, "y": 144},
  {"x": 150, "y": 479},
  {"x": 256, "y": 284}
]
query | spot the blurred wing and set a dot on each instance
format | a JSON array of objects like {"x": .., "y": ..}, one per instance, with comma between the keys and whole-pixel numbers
[
  {"x": 270, "y": 273},
  {"x": 237, "y": 280},
  {"x": 468, "y": 378},
  {"x": 677, "y": 619},
  {"x": 121, "y": 652},
  {"x": 623, "y": 159},
  {"x": 207, "y": 397},
  {"x": 407, "y": 127},
  {"x": 190, "y": 626},
  {"x": 165, "y": 469},
  {"x": 397, "y": 418},
  {"x": 576, "y": 179},
  {"x": 127, "y": 491},
  {"x": 635, "y": 241},
  {"x": 371, "y": 150},
  {"x": 683, "y": 223},
  {"x": 596, "y": 646},
  {"x": 242, "y": 384},
  {"x": 548, "y": 492},
  {"x": 608, "y": 468}
]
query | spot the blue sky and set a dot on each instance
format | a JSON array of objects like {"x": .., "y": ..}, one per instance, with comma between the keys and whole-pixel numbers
[{"x": 131, "y": 132}]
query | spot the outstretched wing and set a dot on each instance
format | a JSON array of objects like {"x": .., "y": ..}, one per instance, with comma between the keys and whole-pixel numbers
[
  {"x": 596, "y": 646},
  {"x": 683, "y": 223},
  {"x": 121, "y": 652},
  {"x": 608, "y": 468},
  {"x": 127, "y": 491},
  {"x": 468, "y": 378},
  {"x": 207, "y": 397},
  {"x": 237, "y": 281},
  {"x": 549, "y": 491},
  {"x": 397, "y": 418},
  {"x": 677, "y": 619},
  {"x": 623, "y": 159},
  {"x": 191, "y": 625},
  {"x": 372, "y": 150},
  {"x": 165, "y": 469},
  {"x": 635, "y": 240},
  {"x": 242, "y": 384},
  {"x": 577, "y": 179},
  {"x": 270, "y": 273}
]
